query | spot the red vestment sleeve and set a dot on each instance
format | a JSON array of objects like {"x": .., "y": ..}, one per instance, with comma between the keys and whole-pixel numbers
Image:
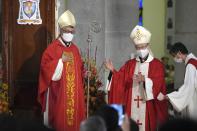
[
  {"x": 156, "y": 74},
  {"x": 121, "y": 79},
  {"x": 47, "y": 68},
  {"x": 116, "y": 89}
]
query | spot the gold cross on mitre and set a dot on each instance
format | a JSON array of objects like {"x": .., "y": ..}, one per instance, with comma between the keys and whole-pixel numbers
[{"x": 138, "y": 34}]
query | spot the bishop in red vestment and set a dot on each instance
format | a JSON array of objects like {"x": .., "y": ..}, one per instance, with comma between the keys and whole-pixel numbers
[
  {"x": 139, "y": 84},
  {"x": 61, "y": 93}
]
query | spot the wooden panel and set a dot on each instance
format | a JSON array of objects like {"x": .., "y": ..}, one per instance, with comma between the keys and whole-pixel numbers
[{"x": 23, "y": 48}]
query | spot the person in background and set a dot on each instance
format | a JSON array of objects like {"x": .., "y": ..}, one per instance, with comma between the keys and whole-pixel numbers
[
  {"x": 93, "y": 123},
  {"x": 110, "y": 116},
  {"x": 184, "y": 100},
  {"x": 129, "y": 124},
  {"x": 179, "y": 125}
]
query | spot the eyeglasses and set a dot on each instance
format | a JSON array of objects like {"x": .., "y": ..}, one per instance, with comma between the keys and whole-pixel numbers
[
  {"x": 141, "y": 47},
  {"x": 68, "y": 30}
]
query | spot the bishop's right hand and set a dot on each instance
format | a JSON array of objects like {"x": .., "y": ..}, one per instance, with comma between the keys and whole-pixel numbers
[
  {"x": 109, "y": 65},
  {"x": 66, "y": 58}
]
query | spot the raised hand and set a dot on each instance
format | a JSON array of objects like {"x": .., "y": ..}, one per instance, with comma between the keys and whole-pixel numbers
[{"x": 109, "y": 65}]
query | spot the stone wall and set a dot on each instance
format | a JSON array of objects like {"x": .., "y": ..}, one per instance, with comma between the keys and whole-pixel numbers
[
  {"x": 185, "y": 32},
  {"x": 117, "y": 19}
]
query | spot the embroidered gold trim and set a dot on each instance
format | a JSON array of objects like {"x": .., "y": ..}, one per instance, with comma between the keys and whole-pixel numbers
[{"x": 70, "y": 87}]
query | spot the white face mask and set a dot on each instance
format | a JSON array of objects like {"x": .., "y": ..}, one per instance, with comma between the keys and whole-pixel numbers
[
  {"x": 178, "y": 60},
  {"x": 142, "y": 53},
  {"x": 67, "y": 37}
]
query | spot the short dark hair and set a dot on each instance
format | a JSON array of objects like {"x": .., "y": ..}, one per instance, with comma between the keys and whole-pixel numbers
[
  {"x": 178, "y": 47},
  {"x": 109, "y": 115},
  {"x": 93, "y": 123},
  {"x": 133, "y": 125},
  {"x": 179, "y": 124}
]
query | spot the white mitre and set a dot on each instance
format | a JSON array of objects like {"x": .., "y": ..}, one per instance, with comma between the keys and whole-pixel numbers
[
  {"x": 66, "y": 19},
  {"x": 140, "y": 35}
]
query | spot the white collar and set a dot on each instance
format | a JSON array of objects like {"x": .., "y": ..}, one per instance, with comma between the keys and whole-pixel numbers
[
  {"x": 149, "y": 59},
  {"x": 189, "y": 57}
]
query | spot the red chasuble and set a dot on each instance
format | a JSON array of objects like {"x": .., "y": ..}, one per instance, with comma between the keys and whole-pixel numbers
[
  {"x": 121, "y": 92},
  {"x": 66, "y": 96}
]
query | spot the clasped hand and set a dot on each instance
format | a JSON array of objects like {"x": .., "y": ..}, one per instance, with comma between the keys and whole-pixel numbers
[
  {"x": 138, "y": 78},
  {"x": 66, "y": 58}
]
